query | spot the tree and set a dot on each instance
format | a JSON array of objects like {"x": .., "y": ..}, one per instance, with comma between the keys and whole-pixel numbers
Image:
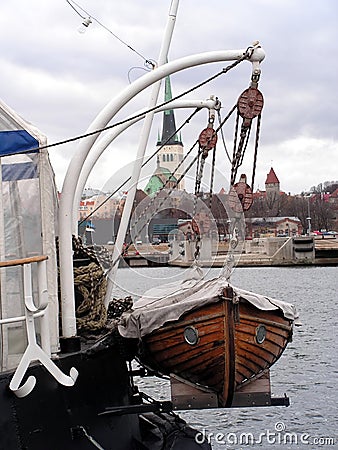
[{"x": 322, "y": 213}]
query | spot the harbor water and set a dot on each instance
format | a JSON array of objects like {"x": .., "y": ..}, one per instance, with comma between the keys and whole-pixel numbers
[{"x": 307, "y": 372}]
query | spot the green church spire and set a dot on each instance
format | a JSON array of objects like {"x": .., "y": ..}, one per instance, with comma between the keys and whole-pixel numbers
[{"x": 169, "y": 126}]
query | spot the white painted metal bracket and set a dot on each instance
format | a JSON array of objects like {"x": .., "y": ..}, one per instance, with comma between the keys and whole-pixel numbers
[{"x": 33, "y": 351}]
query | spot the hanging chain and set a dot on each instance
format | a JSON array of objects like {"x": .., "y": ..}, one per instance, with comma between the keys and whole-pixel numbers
[
  {"x": 246, "y": 56},
  {"x": 256, "y": 150},
  {"x": 242, "y": 145},
  {"x": 207, "y": 141},
  {"x": 230, "y": 259},
  {"x": 249, "y": 106},
  {"x": 212, "y": 176}
]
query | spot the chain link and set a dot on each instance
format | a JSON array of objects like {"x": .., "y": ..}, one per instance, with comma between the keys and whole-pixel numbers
[
  {"x": 242, "y": 146},
  {"x": 256, "y": 151},
  {"x": 230, "y": 259}
]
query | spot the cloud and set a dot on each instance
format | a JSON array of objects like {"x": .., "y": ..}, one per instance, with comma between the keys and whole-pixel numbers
[{"x": 59, "y": 80}]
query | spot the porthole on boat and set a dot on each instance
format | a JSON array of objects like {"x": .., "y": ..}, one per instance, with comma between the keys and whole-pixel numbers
[
  {"x": 260, "y": 334},
  {"x": 191, "y": 335}
]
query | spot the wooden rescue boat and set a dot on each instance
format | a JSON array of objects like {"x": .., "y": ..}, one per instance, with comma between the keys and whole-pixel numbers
[{"x": 221, "y": 346}]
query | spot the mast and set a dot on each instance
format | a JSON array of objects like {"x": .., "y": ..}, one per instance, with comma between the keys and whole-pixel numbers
[{"x": 140, "y": 154}]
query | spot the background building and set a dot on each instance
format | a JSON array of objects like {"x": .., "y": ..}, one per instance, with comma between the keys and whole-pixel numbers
[{"x": 273, "y": 226}]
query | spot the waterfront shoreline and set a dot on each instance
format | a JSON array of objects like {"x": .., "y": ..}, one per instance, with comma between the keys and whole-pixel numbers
[{"x": 325, "y": 254}]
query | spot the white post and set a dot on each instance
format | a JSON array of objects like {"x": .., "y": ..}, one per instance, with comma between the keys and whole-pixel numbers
[
  {"x": 163, "y": 56},
  {"x": 43, "y": 299},
  {"x": 74, "y": 169}
]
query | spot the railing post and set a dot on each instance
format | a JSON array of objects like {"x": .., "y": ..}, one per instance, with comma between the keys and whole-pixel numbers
[
  {"x": 35, "y": 352},
  {"x": 43, "y": 299}
]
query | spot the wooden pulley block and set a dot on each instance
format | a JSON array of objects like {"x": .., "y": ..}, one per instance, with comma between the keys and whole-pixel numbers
[
  {"x": 250, "y": 103},
  {"x": 207, "y": 138},
  {"x": 240, "y": 196}
]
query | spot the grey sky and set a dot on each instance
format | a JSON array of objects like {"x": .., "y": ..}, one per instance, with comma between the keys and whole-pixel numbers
[{"x": 59, "y": 79}]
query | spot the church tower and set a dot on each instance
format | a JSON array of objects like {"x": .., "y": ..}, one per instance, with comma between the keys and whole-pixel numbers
[{"x": 172, "y": 152}]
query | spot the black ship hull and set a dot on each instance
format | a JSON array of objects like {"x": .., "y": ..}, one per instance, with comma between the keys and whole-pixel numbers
[{"x": 56, "y": 417}]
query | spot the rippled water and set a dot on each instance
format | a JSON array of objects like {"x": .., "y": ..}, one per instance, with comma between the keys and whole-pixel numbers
[{"x": 307, "y": 371}]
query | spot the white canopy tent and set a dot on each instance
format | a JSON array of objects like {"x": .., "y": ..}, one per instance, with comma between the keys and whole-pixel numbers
[{"x": 28, "y": 207}]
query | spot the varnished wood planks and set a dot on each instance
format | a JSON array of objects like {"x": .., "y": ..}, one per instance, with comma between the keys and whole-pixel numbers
[{"x": 227, "y": 353}]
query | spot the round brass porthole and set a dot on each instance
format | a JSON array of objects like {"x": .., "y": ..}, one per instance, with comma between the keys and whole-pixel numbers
[
  {"x": 191, "y": 335},
  {"x": 260, "y": 334}
]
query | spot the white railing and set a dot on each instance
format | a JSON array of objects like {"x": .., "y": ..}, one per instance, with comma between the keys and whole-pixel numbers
[{"x": 33, "y": 351}]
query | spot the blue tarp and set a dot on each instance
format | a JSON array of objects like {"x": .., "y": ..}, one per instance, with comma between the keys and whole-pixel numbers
[
  {"x": 17, "y": 141},
  {"x": 19, "y": 171}
]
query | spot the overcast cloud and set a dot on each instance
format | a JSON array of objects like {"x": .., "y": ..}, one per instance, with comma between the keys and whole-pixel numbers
[{"x": 59, "y": 79}]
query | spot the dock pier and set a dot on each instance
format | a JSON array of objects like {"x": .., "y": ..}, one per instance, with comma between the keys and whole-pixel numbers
[{"x": 264, "y": 252}]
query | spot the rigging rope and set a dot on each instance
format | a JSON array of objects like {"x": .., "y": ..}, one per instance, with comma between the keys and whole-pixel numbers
[
  {"x": 71, "y": 3},
  {"x": 90, "y": 288},
  {"x": 144, "y": 164},
  {"x": 176, "y": 183},
  {"x": 247, "y": 54},
  {"x": 222, "y": 134},
  {"x": 201, "y": 156}
]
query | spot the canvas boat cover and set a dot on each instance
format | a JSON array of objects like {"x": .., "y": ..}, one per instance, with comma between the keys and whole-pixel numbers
[{"x": 170, "y": 301}]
